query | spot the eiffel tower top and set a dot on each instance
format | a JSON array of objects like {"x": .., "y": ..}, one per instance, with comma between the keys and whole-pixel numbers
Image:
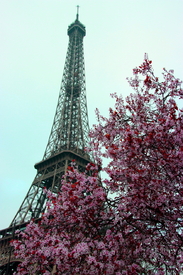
[
  {"x": 70, "y": 126},
  {"x": 77, "y": 24}
]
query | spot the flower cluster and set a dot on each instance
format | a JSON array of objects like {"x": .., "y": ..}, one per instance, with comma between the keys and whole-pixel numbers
[{"x": 137, "y": 230}]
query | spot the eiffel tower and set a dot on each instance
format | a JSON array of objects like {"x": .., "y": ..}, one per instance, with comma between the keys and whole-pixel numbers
[{"x": 67, "y": 141}]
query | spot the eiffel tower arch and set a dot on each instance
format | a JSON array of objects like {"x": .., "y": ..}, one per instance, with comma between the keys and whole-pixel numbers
[{"x": 67, "y": 141}]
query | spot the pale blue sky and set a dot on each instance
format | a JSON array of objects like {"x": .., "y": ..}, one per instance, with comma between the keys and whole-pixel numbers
[{"x": 32, "y": 54}]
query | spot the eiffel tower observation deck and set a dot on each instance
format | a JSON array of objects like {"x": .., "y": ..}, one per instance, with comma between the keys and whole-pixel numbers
[{"x": 67, "y": 141}]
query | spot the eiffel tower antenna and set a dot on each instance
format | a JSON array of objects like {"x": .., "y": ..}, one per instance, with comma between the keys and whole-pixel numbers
[
  {"x": 77, "y": 15},
  {"x": 67, "y": 141}
]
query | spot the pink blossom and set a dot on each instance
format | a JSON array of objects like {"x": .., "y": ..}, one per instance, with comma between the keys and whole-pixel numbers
[{"x": 137, "y": 229}]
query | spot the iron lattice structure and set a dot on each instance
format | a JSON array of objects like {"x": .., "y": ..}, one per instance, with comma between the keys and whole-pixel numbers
[
  {"x": 69, "y": 134},
  {"x": 67, "y": 141},
  {"x": 70, "y": 126}
]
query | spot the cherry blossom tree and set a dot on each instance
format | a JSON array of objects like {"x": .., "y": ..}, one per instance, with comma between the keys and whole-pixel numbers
[{"x": 130, "y": 222}]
